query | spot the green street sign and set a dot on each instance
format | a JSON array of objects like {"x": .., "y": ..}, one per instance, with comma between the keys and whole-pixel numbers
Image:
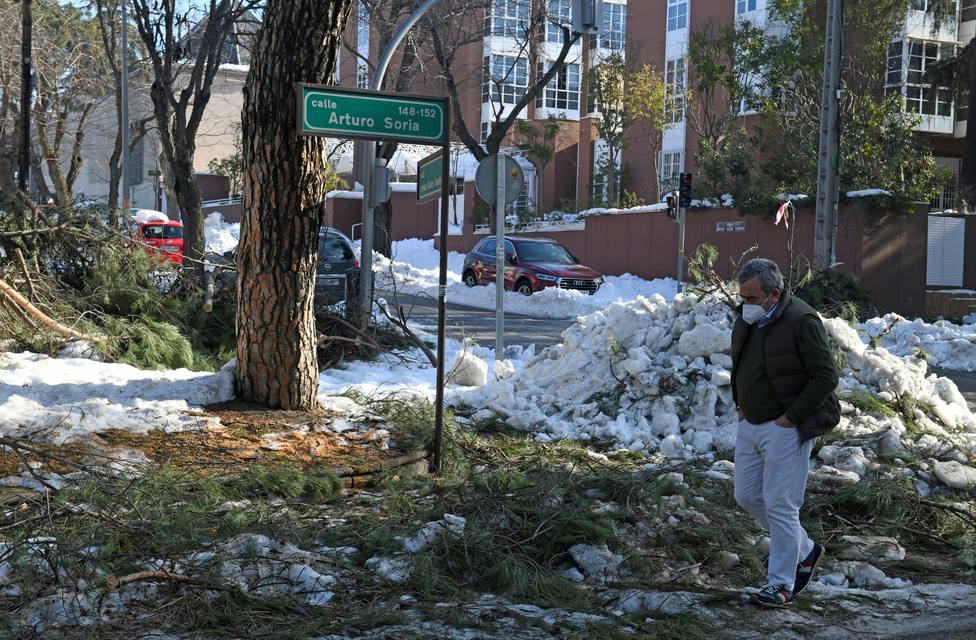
[
  {"x": 429, "y": 178},
  {"x": 374, "y": 115}
]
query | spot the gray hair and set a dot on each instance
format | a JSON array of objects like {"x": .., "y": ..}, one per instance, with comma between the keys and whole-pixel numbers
[{"x": 770, "y": 277}]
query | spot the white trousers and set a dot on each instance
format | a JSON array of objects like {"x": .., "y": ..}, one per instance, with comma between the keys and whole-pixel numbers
[{"x": 771, "y": 469}]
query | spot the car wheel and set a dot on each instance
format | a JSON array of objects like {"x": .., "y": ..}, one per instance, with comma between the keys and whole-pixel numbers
[
  {"x": 470, "y": 279},
  {"x": 524, "y": 287}
]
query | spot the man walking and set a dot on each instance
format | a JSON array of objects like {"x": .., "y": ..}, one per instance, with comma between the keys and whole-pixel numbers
[{"x": 783, "y": 382}]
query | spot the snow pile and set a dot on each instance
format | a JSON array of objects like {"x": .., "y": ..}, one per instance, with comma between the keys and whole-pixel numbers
[
  {"x": 657, "y": 378},
  {"x": 942, "y": 343},
  {"x": 668, "y": 396},
  {"x": 221, "y": 236},
  {"x": 59, "y": 399},
  {"x": 414, "y": 270}
]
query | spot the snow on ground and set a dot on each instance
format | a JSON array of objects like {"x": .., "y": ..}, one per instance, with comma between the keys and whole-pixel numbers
[
  {"x": 414, "y": 269},
  {"x": 410, "y": 372},
  {"x": 221, "y": 236},
  {"x": 658, "y": 379},
  {"x": 57, "y": 399},
  {"x": 945, "y": 344}
]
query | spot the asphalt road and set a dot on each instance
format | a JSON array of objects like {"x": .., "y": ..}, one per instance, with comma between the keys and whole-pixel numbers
[{"x": 479, "y": 324}]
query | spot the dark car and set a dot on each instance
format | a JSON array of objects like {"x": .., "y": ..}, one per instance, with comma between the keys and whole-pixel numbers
[
  {"x": 337, "y": 271},
  {"x": 531, "y": 264}
]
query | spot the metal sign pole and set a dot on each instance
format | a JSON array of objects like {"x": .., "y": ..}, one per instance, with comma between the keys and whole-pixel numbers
[
  {"x": 499, "y": 259},
  {"x": 366, "y": 246},
  {"x": 442, "y": 296}
]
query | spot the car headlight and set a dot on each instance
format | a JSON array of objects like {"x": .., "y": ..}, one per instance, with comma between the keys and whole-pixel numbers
[
  {"x": 599, "y": 281},
  {"x": 546, "y": 278}
]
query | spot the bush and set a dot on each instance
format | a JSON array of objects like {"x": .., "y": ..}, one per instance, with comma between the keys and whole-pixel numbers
[{"x": 836, "y": 294}]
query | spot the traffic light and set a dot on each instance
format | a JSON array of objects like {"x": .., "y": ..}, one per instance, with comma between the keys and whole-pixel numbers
[
  {"x": 685, "y": 190},
  {"x": 672, "y": 207}
]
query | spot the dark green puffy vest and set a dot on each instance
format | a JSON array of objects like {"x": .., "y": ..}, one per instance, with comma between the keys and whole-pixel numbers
[{"x": 785, "y": 369}]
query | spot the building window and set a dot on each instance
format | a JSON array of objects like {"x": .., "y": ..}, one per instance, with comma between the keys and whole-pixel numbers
[
  {"x": 524, "y": 200},
  {"x": 362, "y": 77},
  {"x": 674, "y": 87},
  {"x": 613, "y": 32},
  {"x": 946, "y": 199},
  {"x": 921, "y": 97},
  {"x": 895, "y": 69},
  {"x": 677, "y": 14},
  {"x": 485, "y": 130},
  {"x": 508, "y": 18},
  {"x": 670, "y": 170},
  {"x": 562, "y": 92},
  {"x": 505, "y": 79},
  {"x": 962, "y": 107},
  {"x": 923, "y": 5},
  {"x": 559, "y": 15},
  {"x": 742, "y": 6},
  {"x": 967, "y": 10}
]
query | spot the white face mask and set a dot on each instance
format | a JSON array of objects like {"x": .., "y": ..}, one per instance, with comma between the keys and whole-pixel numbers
[{"x": 753, "y": 313}]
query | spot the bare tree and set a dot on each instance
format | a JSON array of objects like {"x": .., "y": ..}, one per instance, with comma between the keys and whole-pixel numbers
[
  {"x": 183, "y": 50},
  {"x": 70, "y": 76},
  {"x": 108, "y": 16},
  {"x": 450, "y": 30},
  {"x": 285, "y": 182},
  {"x": 9, "y": 93}
]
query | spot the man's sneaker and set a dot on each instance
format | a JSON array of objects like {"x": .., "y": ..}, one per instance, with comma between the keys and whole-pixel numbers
[
  {"x": 772, "y": 595},
  {"x": 804, "y": 570}
]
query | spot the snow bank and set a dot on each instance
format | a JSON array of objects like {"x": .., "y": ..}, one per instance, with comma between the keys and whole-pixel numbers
[
  {"x": 414, "y": 269},
  {"x": 221, "y": 236},
  {"x": 658, "y": 379},
  {"x": 60, "y": 399},
  {"x": 945, "y": 345}
]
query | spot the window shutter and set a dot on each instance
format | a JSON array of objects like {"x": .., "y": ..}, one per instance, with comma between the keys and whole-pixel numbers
[{"x": 946, "y": 239}]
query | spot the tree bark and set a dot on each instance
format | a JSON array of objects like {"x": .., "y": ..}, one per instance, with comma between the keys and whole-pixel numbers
[{"x": 284, "y": 188}]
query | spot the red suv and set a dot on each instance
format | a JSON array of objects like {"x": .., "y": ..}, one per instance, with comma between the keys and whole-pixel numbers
[{"x": 531, "y": 264}]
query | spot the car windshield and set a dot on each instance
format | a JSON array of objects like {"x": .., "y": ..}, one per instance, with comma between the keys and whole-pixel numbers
[
  {"x": 544, "y": 252},
  {"x": 158, "y": 231}
]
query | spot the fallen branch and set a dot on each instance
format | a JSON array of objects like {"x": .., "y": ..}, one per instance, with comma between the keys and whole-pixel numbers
[
  {"x": 34, "y": 232},
  {"x": 14, "y": 297},
  {"x": 112, "y": 583},
  {"x": 962, "y": 514},
  {"x": 410, "y": 334},
  {"x": 23, "y": 267}
]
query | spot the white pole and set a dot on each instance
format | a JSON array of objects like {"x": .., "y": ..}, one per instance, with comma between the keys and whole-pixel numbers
[
  {"x": 499, "y": 259},
  {"x": 124, "y": 125}
]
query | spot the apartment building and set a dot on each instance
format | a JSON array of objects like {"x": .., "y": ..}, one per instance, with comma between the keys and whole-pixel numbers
[
  {"x": 511, "y": 45},
  {"x": 659, "y": 32}
]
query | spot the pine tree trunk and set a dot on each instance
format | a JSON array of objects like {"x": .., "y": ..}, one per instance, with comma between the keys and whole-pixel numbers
[{"x": 284, "y": 188}]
